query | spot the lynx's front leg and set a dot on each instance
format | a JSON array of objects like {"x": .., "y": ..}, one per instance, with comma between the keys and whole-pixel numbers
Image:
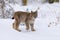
[
  {"x": 32, "y": 27},
  {"x": 31, "y": 23}
]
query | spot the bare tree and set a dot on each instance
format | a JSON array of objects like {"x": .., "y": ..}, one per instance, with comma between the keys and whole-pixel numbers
[
  {"x": 9, "y": 11},
  {"x": 24, "y": 2},
  {"x": 2, "y": 4}
]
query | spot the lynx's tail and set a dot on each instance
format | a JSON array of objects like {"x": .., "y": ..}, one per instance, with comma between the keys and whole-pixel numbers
[{"x": 12, "y": 17}]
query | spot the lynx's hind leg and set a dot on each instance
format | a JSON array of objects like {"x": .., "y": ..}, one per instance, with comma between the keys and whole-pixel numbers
[
  {"x": 16, "y": 24},
  {"x": 27, "y": 25}
]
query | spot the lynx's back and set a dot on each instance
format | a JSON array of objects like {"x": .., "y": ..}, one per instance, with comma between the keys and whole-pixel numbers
[{"x": 21, "y": 15}]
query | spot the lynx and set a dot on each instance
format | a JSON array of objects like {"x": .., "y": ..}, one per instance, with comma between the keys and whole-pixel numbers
[{"x": 26, "y": 17}]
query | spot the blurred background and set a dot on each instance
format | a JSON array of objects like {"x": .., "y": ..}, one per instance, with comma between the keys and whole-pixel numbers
[{"x": 6, "y": 8}]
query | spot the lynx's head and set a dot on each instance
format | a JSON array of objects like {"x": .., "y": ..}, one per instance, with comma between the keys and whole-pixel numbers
[{"x": 34, "y": 14}]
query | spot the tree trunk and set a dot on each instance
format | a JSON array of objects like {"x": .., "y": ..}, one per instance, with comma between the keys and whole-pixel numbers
[
  {"x": 24, "y": 2},
  {"x": 51, "y": 1},
  {"x": 56, "y": 0},
  {"x": 2, "y": 6}
]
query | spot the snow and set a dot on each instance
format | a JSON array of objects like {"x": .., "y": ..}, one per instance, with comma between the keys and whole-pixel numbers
[{"x": 46, "y": 14}]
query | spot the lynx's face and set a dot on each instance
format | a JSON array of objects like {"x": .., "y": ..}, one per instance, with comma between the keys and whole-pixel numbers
[
  {"x": 32, "y": 17},
  {"x": 34, "y": 14}
]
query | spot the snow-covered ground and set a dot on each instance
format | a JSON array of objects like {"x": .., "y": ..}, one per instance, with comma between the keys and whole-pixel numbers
[{"x": 46, "y": 14}]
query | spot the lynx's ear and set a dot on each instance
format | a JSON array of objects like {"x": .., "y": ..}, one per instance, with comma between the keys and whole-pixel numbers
[
  {"x": 31, "y": 11},
  {"x": 37, "y": 9}
]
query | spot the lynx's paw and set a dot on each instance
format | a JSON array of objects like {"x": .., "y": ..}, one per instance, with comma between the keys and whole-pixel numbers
[
  {"x": 33, "y": 30},
  {"x": 18, "y": 30}
]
